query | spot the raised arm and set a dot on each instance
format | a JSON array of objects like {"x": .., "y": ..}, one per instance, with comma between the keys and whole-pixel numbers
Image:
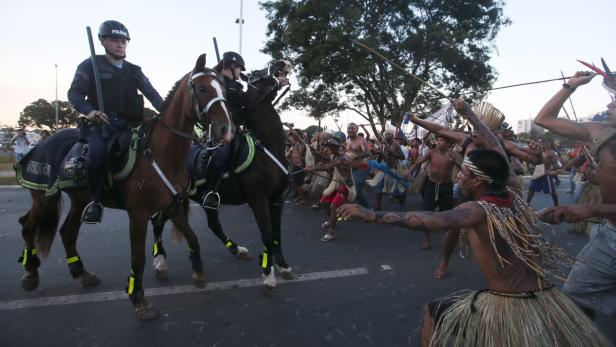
[
  {"x": 515, "y": 150},
  {"x": 451, "y": 135},
  {"x": 481, "y": 130},
  {"x": 548, "y": 116},
  {"x": 421, "y": 161},
  {"x": 466, "y": 215}
]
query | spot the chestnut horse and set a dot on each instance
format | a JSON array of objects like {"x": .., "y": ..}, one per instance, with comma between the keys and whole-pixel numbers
[
  {"x": 157, "y": 183},
  {"x": 261, "y": 185}
]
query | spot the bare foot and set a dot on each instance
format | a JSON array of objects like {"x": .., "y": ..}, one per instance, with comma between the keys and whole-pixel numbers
[{"x": 441, "y": 270}]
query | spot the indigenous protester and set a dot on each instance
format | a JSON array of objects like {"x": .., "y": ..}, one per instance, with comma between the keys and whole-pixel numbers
[
  {"x": 387, "y": 179},
  {"x": 341, "y": 188},
  {"x": 317, "y": 154},
  {"x": 467, "y": 143},
  {"x": 544, "y": 177},
  {"x": 358, "y": 153},
  {"x": 592, "y": 281},
  {"x": 21, "y": 144},
  {"x": 438, "y": 187},
  {"x": 120, "y": 81},
  {"x": 295, "y": 155},
  {"x": 520, "y": 307}
]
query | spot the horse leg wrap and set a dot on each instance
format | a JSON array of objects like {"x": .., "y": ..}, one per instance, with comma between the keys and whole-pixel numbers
[
  {"x": 157, "y": 249},
  {"x": 75, "y": 266},
  {"x": 232, "y": 246},
  {"x": 29, "y": 259},
  {"x": 195, "y": 259},
  {"x": 266, "y": 262},
  {"x": 134, "y": 289}
]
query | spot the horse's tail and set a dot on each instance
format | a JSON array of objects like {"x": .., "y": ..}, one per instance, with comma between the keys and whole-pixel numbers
[{"x": 45, "y": 226}]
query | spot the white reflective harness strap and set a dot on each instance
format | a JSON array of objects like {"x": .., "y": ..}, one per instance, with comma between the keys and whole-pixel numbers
[
  {"x": 160, "y": 173},
  {"x": 269, "y": 154},
  {"x": 211, "y": 103}
]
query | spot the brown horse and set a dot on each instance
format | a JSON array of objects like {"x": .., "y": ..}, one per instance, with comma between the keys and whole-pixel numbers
[{"x": 157, "y": 183}]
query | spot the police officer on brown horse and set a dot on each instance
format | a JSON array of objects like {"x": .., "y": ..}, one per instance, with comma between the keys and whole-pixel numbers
[{"x": 120, "y": 81}]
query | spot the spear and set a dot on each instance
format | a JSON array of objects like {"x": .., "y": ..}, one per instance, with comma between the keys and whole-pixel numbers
[
  {"x": 400, "y": 67},
  {"x": 570, "y": 101}
]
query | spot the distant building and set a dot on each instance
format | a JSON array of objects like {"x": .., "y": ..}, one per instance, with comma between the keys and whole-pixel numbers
[{"x": 528, "y": 125}]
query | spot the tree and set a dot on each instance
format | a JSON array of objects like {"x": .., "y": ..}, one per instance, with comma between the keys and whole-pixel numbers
[
  {"x": 311, "y": 130},
  {"x": 447, "y": 43},
  {"x": 41, "y": 114},
  {"x": 7, "y": 135}
]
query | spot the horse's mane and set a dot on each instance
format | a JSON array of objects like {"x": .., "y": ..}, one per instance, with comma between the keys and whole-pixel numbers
[{"x": 170, "y": 95}]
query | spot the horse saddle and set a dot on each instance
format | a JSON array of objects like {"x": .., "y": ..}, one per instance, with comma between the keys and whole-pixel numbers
[
  {"x": 60, "y": 161},
  {"x": 207, "y": 166}
]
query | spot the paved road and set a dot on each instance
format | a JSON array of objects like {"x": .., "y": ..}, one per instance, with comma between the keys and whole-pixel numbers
[{"x": 366, "y": 288}]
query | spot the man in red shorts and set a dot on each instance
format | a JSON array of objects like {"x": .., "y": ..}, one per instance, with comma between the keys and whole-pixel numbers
[{"x": 341, "y": 188}]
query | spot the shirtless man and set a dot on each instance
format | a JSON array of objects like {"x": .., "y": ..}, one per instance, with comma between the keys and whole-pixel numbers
[
  {"x": 438, "y": 189},
  {"x": 357, "y": 151},
  {"x": 468, "y": 143},
  {"x": 390, "y": 155},
  {"x": 545, "y": 183},
  {"x": 340, "y": 188},
  {"x": 592, "y": 281},
  {"x": 486, "y": 317},
  {"x": 295, "y": 155}
]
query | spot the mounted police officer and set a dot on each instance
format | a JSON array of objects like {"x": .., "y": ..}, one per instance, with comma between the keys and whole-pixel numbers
[
  {"x": 123, "y": 106},
  {"x": 233, "y": 65}
]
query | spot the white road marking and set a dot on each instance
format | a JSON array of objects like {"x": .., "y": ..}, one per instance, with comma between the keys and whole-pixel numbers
[
  {"x": 386, "y": 267},
  {"x": 173, "y": 290}
]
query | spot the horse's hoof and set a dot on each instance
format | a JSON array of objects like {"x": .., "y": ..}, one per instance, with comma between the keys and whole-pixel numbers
[
  {"x": 144, "y": 310},
  {"x": 243, "y": 254},
  {"x": 89, "y": 279},
  {"x": 161, "y": 274},
  {"x": 199, "y": 278},
  {"x": 30, "y": 281},
  {"x": 269, "y": 290},
  {"x": 287, "y": 274}
]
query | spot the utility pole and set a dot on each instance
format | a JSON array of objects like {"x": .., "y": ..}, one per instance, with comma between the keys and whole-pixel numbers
[
  {"x": 56, "y": 103},
  {"x": 240, "y": 21}
]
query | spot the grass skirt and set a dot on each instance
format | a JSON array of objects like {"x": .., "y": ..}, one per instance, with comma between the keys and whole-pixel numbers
[
  {"x": 590, "y": 196},
  {"x": 541, "y": 318}
]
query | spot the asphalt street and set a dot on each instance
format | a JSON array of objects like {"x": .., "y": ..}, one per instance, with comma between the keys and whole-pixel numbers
[{"x": 365, "y": 288}]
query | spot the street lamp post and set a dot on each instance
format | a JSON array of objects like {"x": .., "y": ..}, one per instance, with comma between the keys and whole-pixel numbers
[
  {"x": 56, "y": 103},
  {"x": 240, "y": 21}
]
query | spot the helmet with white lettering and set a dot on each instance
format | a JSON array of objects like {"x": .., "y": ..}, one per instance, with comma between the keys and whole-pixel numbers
[
  {"x": 112, "y": 28},
  {"x": 231, "y": 58}
]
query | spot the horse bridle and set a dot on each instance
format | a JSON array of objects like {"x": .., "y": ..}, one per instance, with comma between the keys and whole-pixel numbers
[{"x": 202, "y": 111}]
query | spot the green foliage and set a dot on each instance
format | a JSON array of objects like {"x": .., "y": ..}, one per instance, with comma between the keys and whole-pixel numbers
[
  {"x": 41, "y": 114},
  {"x": 5, "y": 141},
  {"x": 447, "y": 43},
  {"x": 311, "y": 130}
]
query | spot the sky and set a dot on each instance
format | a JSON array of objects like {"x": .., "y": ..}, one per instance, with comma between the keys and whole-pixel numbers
[{"x": 544, "y": 38}]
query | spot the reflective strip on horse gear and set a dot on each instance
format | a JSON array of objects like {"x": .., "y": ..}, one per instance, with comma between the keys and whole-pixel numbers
[
  {"x": 228, "y": 244},
  {"x": 211, "y": 103},
  {"x": 24, "y": 258},
  {"x": 72, "y": 259},
  {"x": 160, "y": 173},
  {"x": 155, "y": 252},
  {"x": 264, "y": 260},
  {"x": 269, "y": 154},
  {"x": 131, "y": 284}
]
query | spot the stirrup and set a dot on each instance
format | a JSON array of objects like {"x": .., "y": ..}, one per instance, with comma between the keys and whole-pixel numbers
[
  {"x": 206, "y": 203},
  {"x": 84, "y": 214}
]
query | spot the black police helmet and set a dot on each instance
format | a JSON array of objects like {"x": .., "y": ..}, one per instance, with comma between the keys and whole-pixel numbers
[
  {"x": 230, "y": 58},
  {"x": 112, "y": 28}
]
